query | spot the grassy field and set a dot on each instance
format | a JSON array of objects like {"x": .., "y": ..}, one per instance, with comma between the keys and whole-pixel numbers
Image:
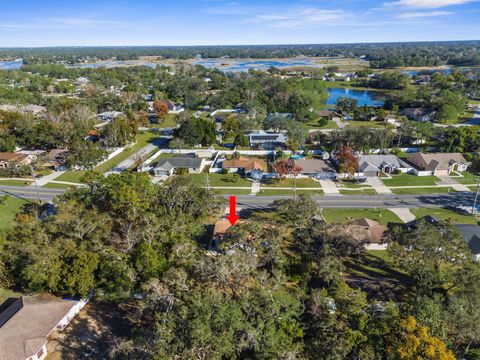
[
  {"x": 410, "y": 180},
  {"x": 273, "y": 192},
  {"x": 417, "y": 191},
  {"x": 232, "y": 191},
  {"x": 142, "y": 140},
  {"x": 288, "y": 183},
  {"x": 315, "y": 125},
  {"x": 351, "y": 185},
  {"x": 219, "y": 180},
  {"x": 15, "y": 182},
  {"x": 8, "y": 211},
  {"x": 383, "y": 216},
  {"x": 445, "y": 214}
]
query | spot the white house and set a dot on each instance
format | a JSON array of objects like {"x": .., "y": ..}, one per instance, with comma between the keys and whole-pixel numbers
[
  {"x": 166, "y": 166},
  {"x": 26, "y": 323}
]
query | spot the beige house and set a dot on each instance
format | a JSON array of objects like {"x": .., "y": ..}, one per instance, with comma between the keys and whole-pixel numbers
[{"x": 438, "y": 164}]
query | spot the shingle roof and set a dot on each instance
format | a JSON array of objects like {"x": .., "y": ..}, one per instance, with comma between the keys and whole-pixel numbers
[
  {"x": 440, "y": 161},
  {"x": 179, "y": 162},
  {"x": 471, "y": 234},
  {"x": 27, "y": 330},
  {"x": 376, "y": 162},
  {"x": 7, "y": 156},
  {"x": 310, "y": 166},
  {"x": 245, "y": 163}
]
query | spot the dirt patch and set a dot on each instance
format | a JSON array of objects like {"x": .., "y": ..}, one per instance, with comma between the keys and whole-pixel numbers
[{"x": 92, "y": 333}]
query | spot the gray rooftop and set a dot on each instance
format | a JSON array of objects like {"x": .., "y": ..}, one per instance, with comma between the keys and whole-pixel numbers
[
  {"x": 375, "y": 162},
  {"x": 179, "y": 162},
  {"x": 471, "y": 234}
]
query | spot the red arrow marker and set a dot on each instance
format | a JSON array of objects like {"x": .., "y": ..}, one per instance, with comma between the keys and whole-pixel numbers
[{"x": 233, "y": 217}]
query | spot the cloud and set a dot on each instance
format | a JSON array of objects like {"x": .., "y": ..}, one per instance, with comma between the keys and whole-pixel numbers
[
  {"x": 426, "y": 4},
  {"x": 300, "y": 18},
  {"x": 419, "y": 14}
]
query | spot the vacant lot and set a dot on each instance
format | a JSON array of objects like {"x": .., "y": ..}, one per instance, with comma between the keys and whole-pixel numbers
[
  {"x": 288, "y": 183},
  {"x": 228, "y": 180}
]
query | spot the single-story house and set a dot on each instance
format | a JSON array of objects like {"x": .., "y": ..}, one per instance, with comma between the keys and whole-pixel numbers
[
  {"x": 26, "y": 323},
  {"x": 277, "y": 115},
  {"x": 315, "y": 168},
  {"x": 56, "y": 158},
  {"x": 471, "y": 234},
  {"x": 8, "y": 159},
  {"x": 370, "y": 232},
  {"x": 419, "y": 114},
  {"x": 244, "y": 164},
  {"x": 266, "y": 139},
  {"x": 109, "y": 115},
  {"x": 166, "y": 167},
  {"x": 33, "y": 109},
  {"x": 328, "y": 114},
  {"x": 373, "y": 165},
  {"x": 174, "y": 108},
  {"x": 438, "y": 164}
]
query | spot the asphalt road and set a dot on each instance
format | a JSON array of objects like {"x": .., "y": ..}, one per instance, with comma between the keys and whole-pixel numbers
[{"x": 259, "y": 202}]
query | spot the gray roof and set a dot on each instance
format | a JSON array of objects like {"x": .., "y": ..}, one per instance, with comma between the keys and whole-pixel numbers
[
  {"x": 179, "y": 162},
  {"x": 310, "y": 166},
  {"x": 471, "y": 234},
  {"x": 376, "y": 162}
]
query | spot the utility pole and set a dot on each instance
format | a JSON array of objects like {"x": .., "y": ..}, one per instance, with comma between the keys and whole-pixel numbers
[
  {"x": 207, "y": 180},
  {"x": 474, "y": 208}
]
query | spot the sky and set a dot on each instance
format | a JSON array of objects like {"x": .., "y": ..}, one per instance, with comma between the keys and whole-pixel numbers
[{"x": 33, "y": 23}]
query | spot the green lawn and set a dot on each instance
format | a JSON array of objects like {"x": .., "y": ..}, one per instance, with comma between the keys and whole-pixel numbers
[
  {"x": 219, "y": 180},
  {"x": 288, "y": 183},
  {"x": 231, "y": 192},
  {"x": 7, "y": 293},
  {"x": 351, "y": 185},
  {"x": 315, "y": 125},
  {"x": 358, "y": 192},
  {"x": 56, "y": 186},
  {"x": 369, "y": 124},
  {"x": 419, "y": 191},
  {"x": 468, "y": 178},
  {"x": 445, "y": 214},
  {"x": 142, "y": 140},
  {"x": 15, "y": 182},
  {"x": 8, "y": 211},
  {"x": 383, "y": 216},
  {"x": 273, "y": 192},
  {"x": 410, "y": 180}
]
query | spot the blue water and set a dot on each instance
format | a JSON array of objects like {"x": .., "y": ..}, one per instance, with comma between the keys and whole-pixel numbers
[
  {"x": 297, "y": 157},
  {"x": 11, "y": 65},
  {"x": 364, "y": 97},
  {"x": 229, "y": 65}
]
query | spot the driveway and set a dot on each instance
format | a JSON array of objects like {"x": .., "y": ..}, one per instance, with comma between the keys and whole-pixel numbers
[
  {"x": 452, "y": 182},
  {"x": 378, "y": 186},
  {"x": 329, "y": 187},
  {"x": 404, "y": 214}
]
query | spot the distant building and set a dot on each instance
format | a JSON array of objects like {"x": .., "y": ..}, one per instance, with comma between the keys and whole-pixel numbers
[
  {"x": 438, "y": 164},
  {"x": 419, "y": 114},
  {"x": 109, "y": 115},
  {"x": 174, "y": 108},
  {"x": 167, "y": 166},
  {"x": 266, "y": 139},
  {"x": 26, "y": 323}
]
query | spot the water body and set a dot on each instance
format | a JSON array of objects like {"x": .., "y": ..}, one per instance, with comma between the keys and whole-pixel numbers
[
  {"x": 11, "y": 65},
  {"x": 364, "y": 97},
  {"x": 241, "y": 65}
]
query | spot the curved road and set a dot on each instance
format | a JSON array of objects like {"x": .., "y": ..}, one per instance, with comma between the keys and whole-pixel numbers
[{"x": 259, "y": 202}]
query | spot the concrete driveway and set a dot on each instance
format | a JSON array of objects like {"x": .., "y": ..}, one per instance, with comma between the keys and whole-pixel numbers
[{"x": 378, "y": 185}]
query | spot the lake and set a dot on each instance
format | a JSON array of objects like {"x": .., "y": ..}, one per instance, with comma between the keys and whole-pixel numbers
[
  {"x": 239, "y": 65},
  {"x": 11, "y": 65},
  {"x": 364, "y": 97}
]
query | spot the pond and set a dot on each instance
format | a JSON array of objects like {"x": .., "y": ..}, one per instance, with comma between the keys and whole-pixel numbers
[
  {"x": 11, "y": 65},
  {"x": 364, "y": 97},
  {"x": 236, "y": 65}
]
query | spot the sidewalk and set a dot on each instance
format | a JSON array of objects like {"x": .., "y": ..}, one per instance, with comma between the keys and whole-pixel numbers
[{"x": 50, "y": 177}]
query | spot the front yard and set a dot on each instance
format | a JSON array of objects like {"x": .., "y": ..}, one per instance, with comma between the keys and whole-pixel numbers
[
  {"x": 288, "y": 183},
  {"x": 383, "y": 216},
  {"x": 425, "y": 190},
  {"x": 445, "y": 214},
  {"x": 9, "y": 208},
  {"x": 223, "y": 180},
  {"x": 410, "y": 180}
]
